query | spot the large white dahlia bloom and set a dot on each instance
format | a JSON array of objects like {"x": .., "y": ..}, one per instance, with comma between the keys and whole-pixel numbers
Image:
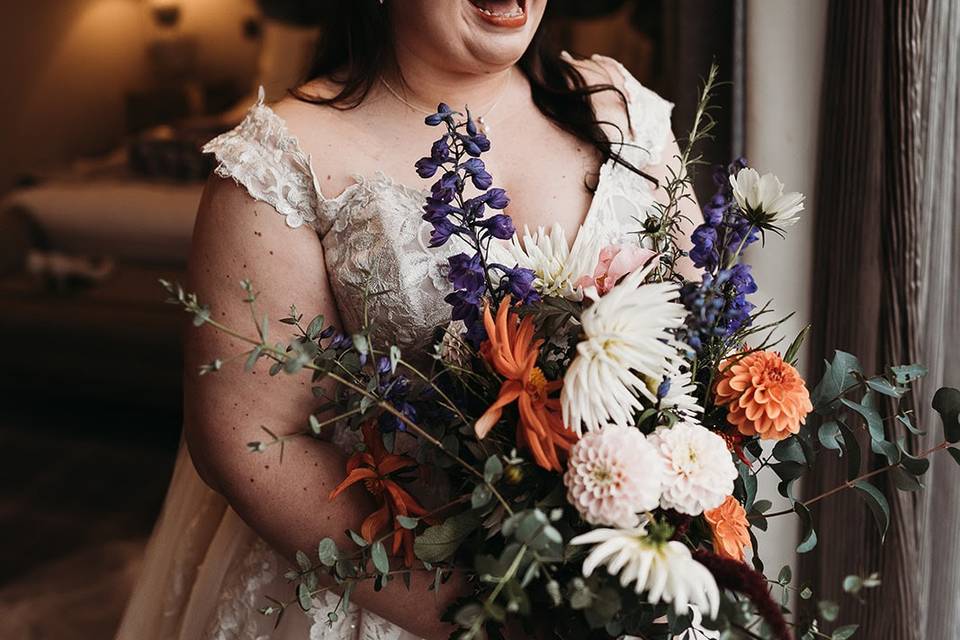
[
  {"x": 698, "y": 469},
  {"x": 627, "y": 348},
  {"x": 665, "y": 570},
  {"x": 556, "y": 265},
  {"x": 613, "y": 474}
]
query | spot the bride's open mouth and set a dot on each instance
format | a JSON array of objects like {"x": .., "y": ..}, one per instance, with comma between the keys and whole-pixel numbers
[{"x": 502, "y": 13}]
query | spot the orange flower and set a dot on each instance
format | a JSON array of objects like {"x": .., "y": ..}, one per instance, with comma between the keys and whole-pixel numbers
[
  {"x": 731, "y": 531},
  {"x": 764, "y": 395},
  {"x": 374, "y": 467},
  {"x": 512, "y": 351}
]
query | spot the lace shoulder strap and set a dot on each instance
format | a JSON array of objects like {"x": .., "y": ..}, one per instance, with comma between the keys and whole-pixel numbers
[
  {"x": 649, "y": 114},
  {"x": 261, "y": 155}
]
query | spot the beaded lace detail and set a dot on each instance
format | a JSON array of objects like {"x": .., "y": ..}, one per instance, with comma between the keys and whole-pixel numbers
[{"x": 375, "y": 241}]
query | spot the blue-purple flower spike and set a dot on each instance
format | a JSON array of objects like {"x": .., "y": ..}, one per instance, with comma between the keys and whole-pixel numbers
[
  {"x": 718, "y": 305},
  {"x": 455, "y": 157}
]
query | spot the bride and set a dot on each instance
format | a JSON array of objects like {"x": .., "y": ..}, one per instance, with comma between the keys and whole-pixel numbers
[{"x": 575, "y": 142}]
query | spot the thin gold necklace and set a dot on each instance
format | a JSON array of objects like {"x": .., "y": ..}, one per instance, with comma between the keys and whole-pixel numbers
[{"x": 482, "y": 121}]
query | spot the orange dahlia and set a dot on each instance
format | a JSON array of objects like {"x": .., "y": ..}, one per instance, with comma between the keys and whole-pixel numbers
[
  {"x": 731, "y": 531},
  {"x": 375, "y": 468},
  {"x": 764, "y": 395},
  {"x": 512, "y": 352}
]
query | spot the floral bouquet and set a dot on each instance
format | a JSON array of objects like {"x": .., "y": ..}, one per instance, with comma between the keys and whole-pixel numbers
[{"x": 600, "y": 421}]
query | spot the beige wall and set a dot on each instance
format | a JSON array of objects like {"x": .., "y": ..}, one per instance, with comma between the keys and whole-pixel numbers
[
  {"x": 66, "y": 65},
  {"x": 785, "y": 40}
]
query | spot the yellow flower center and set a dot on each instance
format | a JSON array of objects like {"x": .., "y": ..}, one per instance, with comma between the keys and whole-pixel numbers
[
  {"x": 537, "y": 384},
  {"x": 601, "y": 474}
]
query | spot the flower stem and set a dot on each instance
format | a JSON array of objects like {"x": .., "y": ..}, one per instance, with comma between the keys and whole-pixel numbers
[{"x": 849, "y": 483}]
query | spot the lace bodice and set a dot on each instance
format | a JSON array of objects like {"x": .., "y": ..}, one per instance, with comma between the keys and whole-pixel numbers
[
  {"x": 373, "y": 237},
  {"x": 375, "y": 241}
]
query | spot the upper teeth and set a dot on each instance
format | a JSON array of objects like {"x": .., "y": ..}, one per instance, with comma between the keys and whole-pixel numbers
[{"x": 511, "y": 14}]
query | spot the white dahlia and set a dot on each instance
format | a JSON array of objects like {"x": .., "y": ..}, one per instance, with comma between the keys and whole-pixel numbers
[
  {"x": 664, "y": 569},
  {"x": 557, "y": 266},
  {"x": 762, "y": 197},
  {"x": 627, "y": 347},
  {"x": 613, "y": 474},
  {"x": 698, "y": 469}
]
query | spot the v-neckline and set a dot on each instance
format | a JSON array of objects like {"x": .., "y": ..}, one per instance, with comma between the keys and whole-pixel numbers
[{"x": 292, "y": 143}]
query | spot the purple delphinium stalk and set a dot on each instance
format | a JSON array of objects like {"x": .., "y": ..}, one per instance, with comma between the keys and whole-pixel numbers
[
  {"x": 718, "y": 305},
  {"x": 395, "y": 388},
  {"x": 455, "y": 156}
]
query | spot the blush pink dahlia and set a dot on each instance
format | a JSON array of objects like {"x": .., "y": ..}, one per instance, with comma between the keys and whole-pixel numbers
[
  {"x": 613, "y": 474},
  {"x": 697, "y": 467}
]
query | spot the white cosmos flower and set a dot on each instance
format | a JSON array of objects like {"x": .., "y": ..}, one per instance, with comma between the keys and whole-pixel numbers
[
  {"x": 557, "y": 266},
  {"x": 628, "y": 346},
  {"x": 764, "y": 196},
  {"x": 665, "y": 570},
  {"x": 698, "y": 469}
]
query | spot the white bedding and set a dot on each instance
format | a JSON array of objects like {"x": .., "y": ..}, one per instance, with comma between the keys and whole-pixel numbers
[{"x": 127, "y": 219}]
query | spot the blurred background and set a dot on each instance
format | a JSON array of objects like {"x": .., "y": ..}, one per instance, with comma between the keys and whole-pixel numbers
[{"x": 107, "y": 103}]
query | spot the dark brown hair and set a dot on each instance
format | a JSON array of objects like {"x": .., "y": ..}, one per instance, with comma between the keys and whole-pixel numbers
[{"x": 355, "y": 45}]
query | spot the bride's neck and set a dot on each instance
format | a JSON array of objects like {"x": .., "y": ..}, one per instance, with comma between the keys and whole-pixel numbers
[{"x": 425, "y": 85}]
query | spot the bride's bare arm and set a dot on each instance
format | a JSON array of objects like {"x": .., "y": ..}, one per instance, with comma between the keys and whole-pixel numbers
[{"x": 286, "y": 503}]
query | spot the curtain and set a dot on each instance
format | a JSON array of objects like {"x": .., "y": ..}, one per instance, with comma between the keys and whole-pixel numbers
[
  {"x": 886, "y": 282},
  {"x": 939, "y": 302}
]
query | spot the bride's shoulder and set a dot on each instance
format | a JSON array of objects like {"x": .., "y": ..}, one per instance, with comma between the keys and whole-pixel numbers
[
  {"x": 633, "y": 107},
  {"x": 603, "y": 70}
]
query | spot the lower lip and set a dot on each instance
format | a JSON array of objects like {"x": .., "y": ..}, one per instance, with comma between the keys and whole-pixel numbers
[{"x": 506, "y": 21}]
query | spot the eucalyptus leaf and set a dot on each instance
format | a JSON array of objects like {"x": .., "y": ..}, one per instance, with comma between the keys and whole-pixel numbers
[
  {"x": 887, "y": 449},
  {"x": 327, "y": 552},
  {"x": 492, "y": 469},
  {"x": 303, "y": 597},
  {"x": 844, "y": 632},
  {"x": 315, "y": 327},
  {"x": 407, "y": 522},
  {"x": 762, "y": 506},
  {"x": 905, "y": 481},
  {"x": 303, "y": 561},
  {"x": 852, "y": 447},
  {"x": 829, "y": 436},
  {"x": 439, "y": 542},
  {"x": 785, "y": 575},
  {"x": 481, "y": 496},
  {"x": 907, "y": 373},
  {"x": 357, "y": 538},
  {"x": 852, "y": 584},
  {"x": 912, "y": 465},
  {"x": 877, "y": 504},
  {"x": 870, "y": 416},
  {"x": 838, "y": 377},
  {"x": 954, "y": 453},
  {"x": 883, "y": 386},
  {"x": 904, "y": 419},
  {"x": 828, "y": 609},
  {"x": 378, "y": 553},
  {"x": 808, "y": 536},
  {"x": 946, "y": 401},
  {"x": 789, "y": 450}
]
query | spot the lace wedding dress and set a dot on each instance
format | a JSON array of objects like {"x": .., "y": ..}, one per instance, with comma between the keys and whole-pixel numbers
[{"x": 206, "y": 573}]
